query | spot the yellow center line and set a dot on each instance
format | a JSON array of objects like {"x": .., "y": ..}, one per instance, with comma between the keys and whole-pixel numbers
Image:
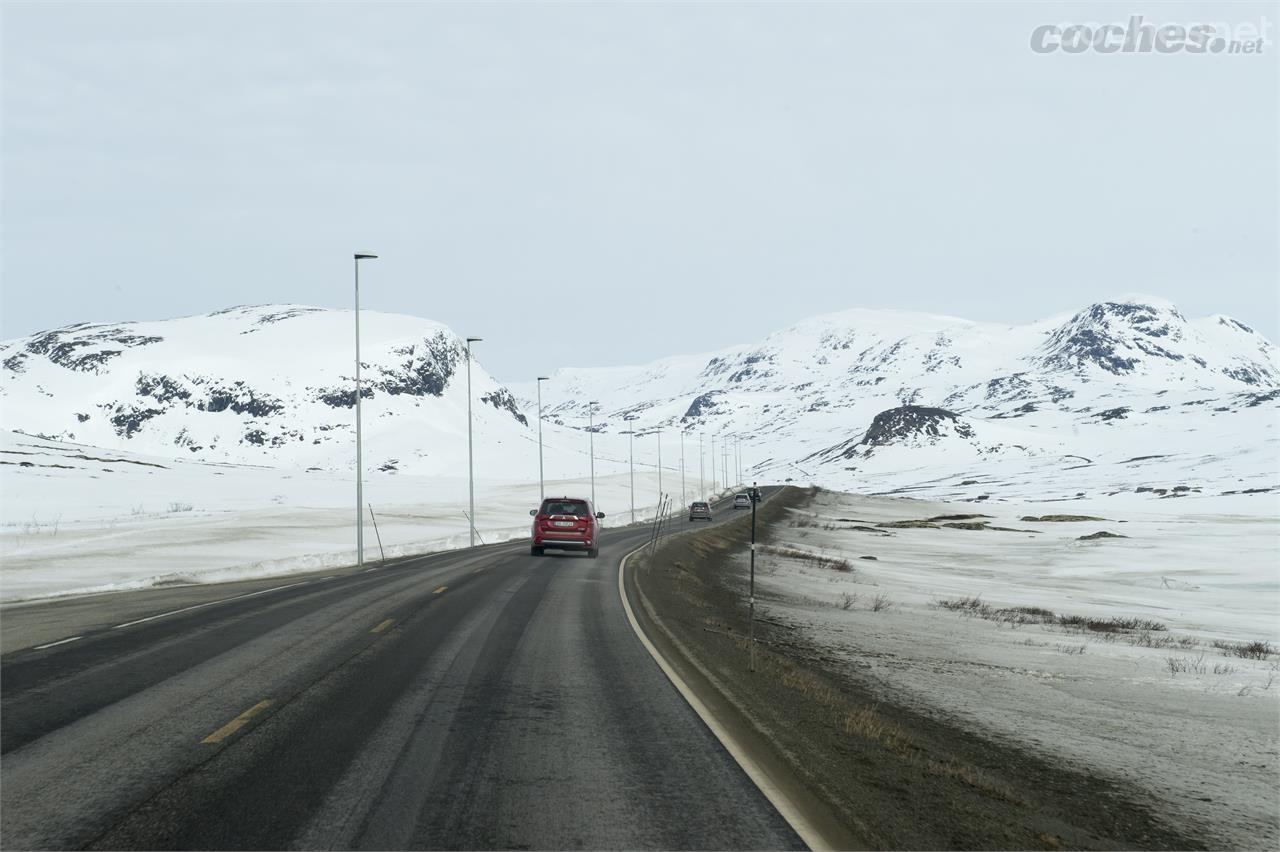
[
  {"x": 237, "y": 723},
  {"x": 383, "y": 626},
  {"x": 439, "y": 590}
]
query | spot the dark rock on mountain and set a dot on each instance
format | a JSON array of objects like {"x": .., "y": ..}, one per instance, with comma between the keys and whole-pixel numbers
[
  {"x": 129, "y": 419},
  {"x": 701, "y": 405},
  {"x": 343, "y": 398},
  {"x": 161, "y": 388},
  {"x": 242, "y": 400},
  {"x": 906, "y": 423},
  {"x": 502, "y": 400},
  {"x": 910, "y": 421},
  {"x": 426, "y": 370}
]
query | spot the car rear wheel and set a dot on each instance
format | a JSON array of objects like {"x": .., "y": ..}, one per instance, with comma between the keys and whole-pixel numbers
[
  {"x": 593, "y": 552},
  {"x": 535, "y": 551}
]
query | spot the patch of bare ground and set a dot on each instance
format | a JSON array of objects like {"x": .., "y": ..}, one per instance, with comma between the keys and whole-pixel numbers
[{"x": 895, "y": 777}]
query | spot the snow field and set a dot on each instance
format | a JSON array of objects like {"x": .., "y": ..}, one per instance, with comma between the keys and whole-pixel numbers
[{"x": 1167, "y": 710}]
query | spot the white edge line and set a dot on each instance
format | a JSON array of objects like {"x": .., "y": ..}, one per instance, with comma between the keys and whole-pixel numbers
[
  {"x": 780, "y": 800},
  {"x": 209, "y": 603},
  {"x": 59, "y": 642}
]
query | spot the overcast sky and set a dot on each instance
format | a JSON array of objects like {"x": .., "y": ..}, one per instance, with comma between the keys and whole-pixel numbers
[{"x": 594, "y": 184}]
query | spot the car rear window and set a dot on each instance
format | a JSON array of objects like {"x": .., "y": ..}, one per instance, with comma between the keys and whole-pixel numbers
[
  {"x": 565, "y": 507},
  {"x": 699, "y": 505}
]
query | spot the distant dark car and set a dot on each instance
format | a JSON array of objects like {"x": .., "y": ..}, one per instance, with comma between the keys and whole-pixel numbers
[
  {"x": 566, "y": 523},
  {"x": 755, "y": 494},
  {"x": 741, "y": 501},
  {"x": 699, "y": 511}
]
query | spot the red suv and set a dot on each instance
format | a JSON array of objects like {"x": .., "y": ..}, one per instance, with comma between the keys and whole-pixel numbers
[{"x": 568, "y": 523}]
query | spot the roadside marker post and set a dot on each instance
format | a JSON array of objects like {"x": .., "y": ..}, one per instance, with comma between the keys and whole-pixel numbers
[
  {"x": 374, "y": 518},
  {"x": 751, "y": 594}
]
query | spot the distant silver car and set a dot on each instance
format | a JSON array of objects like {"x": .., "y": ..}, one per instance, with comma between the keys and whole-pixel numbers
[{"x": 742, "y": 501}]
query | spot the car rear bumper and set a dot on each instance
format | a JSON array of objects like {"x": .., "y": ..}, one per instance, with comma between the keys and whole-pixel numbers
[{"x": 567, "y": 543}]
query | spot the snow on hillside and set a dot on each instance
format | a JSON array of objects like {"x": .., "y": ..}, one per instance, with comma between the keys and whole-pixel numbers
[
  {"x": 268, "y": 385},
  {"x": 217, "y": 445},
  {"x": 1112, "y": 382}
]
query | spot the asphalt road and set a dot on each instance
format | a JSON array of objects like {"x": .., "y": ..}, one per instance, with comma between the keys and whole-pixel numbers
[{"x": 477, "y": 699}]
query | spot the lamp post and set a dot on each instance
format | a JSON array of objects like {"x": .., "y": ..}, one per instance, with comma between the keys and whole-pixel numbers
[
  {"x": 542, "y": 485},
  {"x": 713, "y": 464},
  {"x": 591, "y": 439},
  {"x": 471, "y": 468},
  {"x": 659, "y": 467},
  {"x": 702, "y": 471},
  {"x": 631, "y": 461},
  {"x": 724, "y": 460},
  {"x": 683, "y": 497},
  {"x": 359, "y": 256}
]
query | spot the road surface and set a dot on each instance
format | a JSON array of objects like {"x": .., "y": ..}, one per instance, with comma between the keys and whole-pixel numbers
[{"x": 476, "y": 699}]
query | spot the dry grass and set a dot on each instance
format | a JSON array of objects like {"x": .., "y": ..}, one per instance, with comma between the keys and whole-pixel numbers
[
  {"x": 1245, "y": 650},
  {"x": 978, "y": 608},
  {"x": 807, "y": 557},
  {"x": 1186, "y": 665},
  {"x": 973, "y": 777},
  {"x": 867, "y": 723},
  {"x": 1060, "y": 518}
]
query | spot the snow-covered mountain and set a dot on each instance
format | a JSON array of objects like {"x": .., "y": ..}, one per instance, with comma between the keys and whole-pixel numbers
[
  {"x": 845, "y": 399},
  {"x": 1120, "y": 379},
  {"x": 267, "y": 385}
]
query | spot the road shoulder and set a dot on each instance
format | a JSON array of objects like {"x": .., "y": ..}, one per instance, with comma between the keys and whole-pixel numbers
[{"x": 885, "y": 776}]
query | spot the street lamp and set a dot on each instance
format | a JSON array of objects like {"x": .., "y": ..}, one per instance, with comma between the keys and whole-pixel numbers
[
  {"x": 542, "y": 487},
  {"x": 591, "y": 439},
  {"x": 471, "y": 466},
  {"x": 359, "y": 256},
  {"x": 683, "y": 498},
  {"x": 724, "y": 461},
  {"x": 702, "y": 471},
  {"x": 631, "y": 461},
  {"x": 659, "y": 433},
  {"x": 713, "y": 464}
]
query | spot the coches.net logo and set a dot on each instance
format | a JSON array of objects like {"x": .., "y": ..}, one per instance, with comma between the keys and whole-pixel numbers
[{"x": 1139, "y": 36}]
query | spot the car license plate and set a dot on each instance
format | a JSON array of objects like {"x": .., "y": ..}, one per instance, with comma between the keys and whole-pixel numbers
[{"x": 562, "y": 523}]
